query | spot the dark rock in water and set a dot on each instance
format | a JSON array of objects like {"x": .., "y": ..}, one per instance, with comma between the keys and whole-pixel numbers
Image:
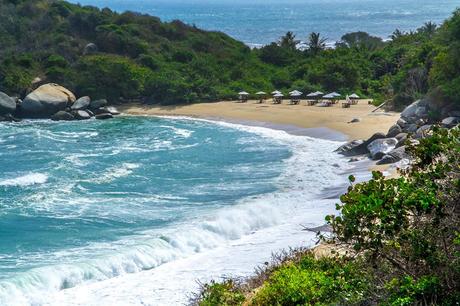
[
  {"x": 402, "y": 123},
  {"x": 81, "y": 103},
  {"x": 7, "y": 104},
  {"x": 379, "y": 147},
  {"x": 9, "y": 118},
  {"x": 394, "y": 156},
  {"x": 46, "y": 100},
  {"x": 62, "y": 116},
  {"x": 113, "y": 110},
  {"x": 97, "y": 104},
  {"x": 104, "y": 116},
  {"x": 394, "y": 130},
  {"x": 82, "y": 115},
  {"x": 90, "y": 48},
  {"x": 450, "y": 122},
  {"x": 89, "y": 112},
  {"x": 355, "y": 147},
  {"x": 423, "y": 131}
]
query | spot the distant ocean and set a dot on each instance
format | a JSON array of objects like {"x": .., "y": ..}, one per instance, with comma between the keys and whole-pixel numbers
[{"x": 257, "y": 22}]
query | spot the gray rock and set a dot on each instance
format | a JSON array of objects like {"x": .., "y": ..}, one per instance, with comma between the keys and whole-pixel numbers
[
  {"x": 421, "y": 122},
  {"x": 401, "y": 137},
  {"x": 394, "y": 156},
  {"x": 113, "y": 110},
  {"x": 354, "y": 159},
  {"x": 62, "y": 116},
  {"x": 402, "y": 123},
  {"x": 352, "y": 148},
  {"x": 7, "y": 104},
  {"x": 355, "y": 120},
  {"x": 421, "y": 112},
  {"x": 104, "y": 116},
  {"x": 375, "y": 137},
  {"x": 394, "y": 130},
  {"x": 379, "y": 147},
  {"x": 46, "y": 100},
  {"x": 81, "y": 103},
  {"x": 450, "y": 122},
  {"x": 411, "y": 128},
  {"x": 97, "y": 104},
  {"x": 409, "y": 111},
  {"x": 89, "y": 112},
  {"x": 82, "y": 115},
  {"x": 423, "y": 131}
]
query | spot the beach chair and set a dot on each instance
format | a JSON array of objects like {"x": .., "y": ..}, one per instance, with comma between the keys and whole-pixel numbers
[{"x": 346, "y": 104}]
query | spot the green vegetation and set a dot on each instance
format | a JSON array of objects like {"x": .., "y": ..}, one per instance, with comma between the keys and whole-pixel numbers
[
  {"x": 399, "y": 240},
  {"x": 138, "y": 56}
]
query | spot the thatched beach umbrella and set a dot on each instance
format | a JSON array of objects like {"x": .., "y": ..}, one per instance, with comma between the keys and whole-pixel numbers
[
  {"x": 276, "y": 92},
  {"x": 295, "y": 93},
  {"x": 353, "y": 96},
  {"x": 277, "y": 98},
  {"x": 261, "y": 95},
  {"x": 243, "y": 96}
]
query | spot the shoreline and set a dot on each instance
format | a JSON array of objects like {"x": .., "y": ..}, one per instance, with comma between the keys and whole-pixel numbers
[
  {"x": 331, "y": 123},
  {"x": 300, "y": 202}
]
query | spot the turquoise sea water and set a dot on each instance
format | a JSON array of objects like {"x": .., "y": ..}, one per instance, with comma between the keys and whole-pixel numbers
[
  {"x": 258, "y": 22},
  {"x": 82, "y": 202}
]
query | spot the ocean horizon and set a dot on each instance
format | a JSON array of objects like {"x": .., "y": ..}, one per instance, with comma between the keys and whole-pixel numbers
[{"x": 257, "y": 23}]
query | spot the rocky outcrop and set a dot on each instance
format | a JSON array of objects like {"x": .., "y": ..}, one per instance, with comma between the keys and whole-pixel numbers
[
  {"x": 379, "y": 147},
  {"x": 62, "y": 116},
  {"x": 81, "y": 103},
  {"x": 394, "y": 130},
  {"x": 46, "y": 100},
  {"x": 7, "y": 104},
  {"x": 82, "y": 115},
  {"x": 394, "y": 156},
  {"x": 450, "y": 122},
  {"x": 98, "y": 104}
]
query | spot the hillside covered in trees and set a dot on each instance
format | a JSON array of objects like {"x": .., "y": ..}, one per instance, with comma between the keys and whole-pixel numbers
[{"x": 105, "y": 54}]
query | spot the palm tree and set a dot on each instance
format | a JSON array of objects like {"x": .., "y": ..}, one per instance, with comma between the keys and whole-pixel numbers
[
  {"x": 288, "y": 41},
  {"x": 396, "y": 34},
  {"x": 315, "y": 43},
  {"x": 429, "y": 28}
]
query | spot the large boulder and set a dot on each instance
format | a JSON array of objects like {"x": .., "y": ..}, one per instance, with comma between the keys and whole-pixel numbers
[
  {"x": 7, "y": 104},
  {"x": 62, "y": 116},
  {"x": 97, "y": 104},
  {"x": 450, "y": 122},
  {"x": 408, "y": 114},
  {"x": 394, "y": 130},
  {"x": 46, "y": 100},
  {"x": 402, "y": 123},
  {"x": 401, "y": 137},
  {"x": 355, "y": 147},
  {"x": 82, "y": 115},
  {"x": 81, "y": 103},
  {"x": 113, "y": 110},
  {"x": 394, "y": 156},
  {"x": 379, "y": 147}
]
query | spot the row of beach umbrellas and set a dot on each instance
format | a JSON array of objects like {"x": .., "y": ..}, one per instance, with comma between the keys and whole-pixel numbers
[{"x": 296, "y": 93}]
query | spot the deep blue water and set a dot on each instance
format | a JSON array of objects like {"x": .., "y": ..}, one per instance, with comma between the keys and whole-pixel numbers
[{"x": 260, "y": 22}]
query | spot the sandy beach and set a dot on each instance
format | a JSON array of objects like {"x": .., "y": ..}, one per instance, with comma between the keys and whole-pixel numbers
[{"x": 335, "y": 117}]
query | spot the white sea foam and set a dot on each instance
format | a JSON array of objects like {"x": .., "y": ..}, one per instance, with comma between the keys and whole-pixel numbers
[
  {"x": 25, "y": 180},
  {"x": 226, "y": 240},
  {"x": 116, "y": 172}
]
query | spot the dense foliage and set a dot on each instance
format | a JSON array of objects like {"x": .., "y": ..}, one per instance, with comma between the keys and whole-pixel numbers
[
  {"x": 137, "y": 56},
  {"x": 398, "y": 241}
]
